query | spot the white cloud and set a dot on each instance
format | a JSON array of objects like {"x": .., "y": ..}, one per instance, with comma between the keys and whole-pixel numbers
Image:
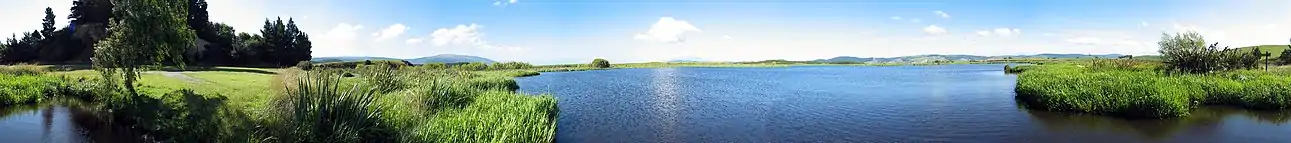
[
  {"x": 668, "y": 30},
  {"x": 504, "y": 2},
  {"x": 934, "y": 30},
  {"x": 1084, "y": 40},
  {"x": 337, "y": 41},
  {"x": 460, "y": 35},
  {"x": 413, "y": 41},
  {"x": 727, "y": 37},
  {"x": 390, "y": 32},
  {"x": 1002, "y": 32},
  {"x": 941, "y": 13},
  {"x": 895, "y": 18},
  {"x": 467, "y": 35},
  {"x": 1144, "y": 24}
]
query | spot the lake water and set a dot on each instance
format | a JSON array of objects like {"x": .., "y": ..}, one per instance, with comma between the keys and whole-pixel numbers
[
  {"x": 951, "y": 103},
  {"x": 56, "y": 123}
]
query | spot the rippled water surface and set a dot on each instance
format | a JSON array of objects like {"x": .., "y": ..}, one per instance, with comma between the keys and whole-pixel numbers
[{"x": 952, "y": 103}]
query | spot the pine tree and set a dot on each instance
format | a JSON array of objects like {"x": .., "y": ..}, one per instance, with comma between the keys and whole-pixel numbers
[{"x": 47, "y": 28}]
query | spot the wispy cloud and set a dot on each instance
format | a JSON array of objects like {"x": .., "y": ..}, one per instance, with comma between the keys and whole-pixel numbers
[{"x": 941, "y": 13}]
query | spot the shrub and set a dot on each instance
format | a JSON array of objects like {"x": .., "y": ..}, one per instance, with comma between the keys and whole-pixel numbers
[
  {"x": 305, "y": 65},
  {"x": 17, "y": 89},
  {"x": 473, "y": 66},
  {"x": 1187, "y": 52},
  {"x": 600, "y": 63},
  {"x": 510, "y": 65},
  {"x": 23, "y": 69}
]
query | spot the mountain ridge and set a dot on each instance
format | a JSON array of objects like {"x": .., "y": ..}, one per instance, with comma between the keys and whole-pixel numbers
[{"x": 441, "y": 58}]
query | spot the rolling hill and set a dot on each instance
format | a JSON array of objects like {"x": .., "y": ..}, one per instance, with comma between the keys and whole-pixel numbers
[
  {"x": 930, "y": 58},
  {"x": 1273, "y": 50},
  {"x": 442, "y": 58}
]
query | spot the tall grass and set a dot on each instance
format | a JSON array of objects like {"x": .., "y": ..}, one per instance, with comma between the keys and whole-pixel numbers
[
  {"x": 317, "y": 111},
  {"x": 1139, "y": 93},
  {"x": 23, "y": 69},
  {"x": 18, "y": 89},
  {"x": 422, "y": 106}
]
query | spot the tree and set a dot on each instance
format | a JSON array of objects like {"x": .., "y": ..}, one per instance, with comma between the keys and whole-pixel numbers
[
  {"x": 47, "y": 28},
  {"x": 1187, "y": 52},
  {"x": 600, "y": 63},
  {"x": 1286, "y": 56},
  {"x": 146, "y": 32},
  {"x": 90, "y": 11},
  {"x": 1258, "y": 55},
  {"x": 199, "y": 19}
]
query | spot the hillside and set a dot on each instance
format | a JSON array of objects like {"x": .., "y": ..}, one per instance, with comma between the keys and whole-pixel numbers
[
  {"x": 442, "y": 58},
  {"x": 1273, "y": 50},
  {"x": 930, "y": 58}
]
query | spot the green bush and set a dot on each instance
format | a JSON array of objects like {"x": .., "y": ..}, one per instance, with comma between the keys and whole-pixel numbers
[
  {"x": 600, "y": 63},
  {"x": 473, "y": 66},
  {"x": 23, "y": 69},
  {"x": 18, "y": 89},
  {"x": 305, "y": 65},
  {"x": 510, "y": 65}
]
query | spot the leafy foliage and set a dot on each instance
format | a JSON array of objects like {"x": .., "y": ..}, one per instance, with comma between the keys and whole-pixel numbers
[
  {"x": 600, "y": 63},
  {"x": 1187, "y": 52},
  {"x": 148, "y": 32},
  {"x": 91, "y": 11}
]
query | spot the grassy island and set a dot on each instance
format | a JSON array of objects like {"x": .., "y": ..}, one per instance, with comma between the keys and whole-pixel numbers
[{"x": 1157, "y": 89}]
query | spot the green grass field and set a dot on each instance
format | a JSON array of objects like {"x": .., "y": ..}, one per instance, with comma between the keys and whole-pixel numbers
[
  {"x": 1139, "y": 90},
  {"x": 1274, "y": 51},
  {"x": 231, "y": 104}
]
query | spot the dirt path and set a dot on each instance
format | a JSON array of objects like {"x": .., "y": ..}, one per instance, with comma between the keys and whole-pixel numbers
[{"x": 180, "y": 76}]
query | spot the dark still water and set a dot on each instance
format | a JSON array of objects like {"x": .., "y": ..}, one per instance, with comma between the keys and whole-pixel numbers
[
  {"x": 952, "y": 103},
  {"x": 57, "y": 123}
]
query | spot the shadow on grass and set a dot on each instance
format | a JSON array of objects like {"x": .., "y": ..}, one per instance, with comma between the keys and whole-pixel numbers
[{"x": 217, "y": 69}]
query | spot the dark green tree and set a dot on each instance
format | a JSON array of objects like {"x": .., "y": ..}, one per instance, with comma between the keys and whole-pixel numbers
[
  {"x": 199, "y": 19},
  {"x": 47, "y": 28},
  {"x": 90, "y": 11},
  {"x": 146, "y": 32},
  {"x": 1286, "y": 56},
  {"x": 600, "y": 63}
]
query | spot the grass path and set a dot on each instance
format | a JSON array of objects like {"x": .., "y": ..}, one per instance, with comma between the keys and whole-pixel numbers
[{"x": 179, "y": 75}]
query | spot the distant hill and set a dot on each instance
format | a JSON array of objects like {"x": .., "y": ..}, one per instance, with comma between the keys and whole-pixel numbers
[
  {"x": 347, "y": 59},
  {"x": 931, "y": 58},
  {"x": 686, "y": 59},
  {"x": 450, "y": 58},
  {"x": 1274, "y": 50},
  {"x": 443, "y": 58}
]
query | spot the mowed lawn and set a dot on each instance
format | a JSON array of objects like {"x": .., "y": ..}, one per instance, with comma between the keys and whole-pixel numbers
[{"x": 244, "y": 87}]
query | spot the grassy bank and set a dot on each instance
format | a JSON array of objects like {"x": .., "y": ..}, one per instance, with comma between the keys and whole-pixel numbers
[
  {"x": 370, "y": 103},
  {"x": 1139, "y": 91}
]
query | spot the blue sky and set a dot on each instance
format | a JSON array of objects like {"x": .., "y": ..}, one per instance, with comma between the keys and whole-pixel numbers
[{"x": 574, "y": 31}]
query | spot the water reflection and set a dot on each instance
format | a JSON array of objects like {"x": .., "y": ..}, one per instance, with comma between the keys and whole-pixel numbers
[
  {"x": 666, "y": 101},
  {"x": 61, "y": 121},
  {"x": 1205, "y": 121}
]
